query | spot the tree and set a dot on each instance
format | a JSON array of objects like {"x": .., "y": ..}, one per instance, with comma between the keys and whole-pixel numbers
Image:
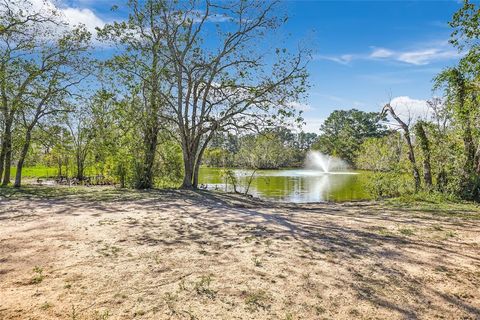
[
  {"x": 263, "y": 151},
  {"x": 228, "y": 84},
  {"x": 406, "y": 133},
  {"x": 343, "y": 132},
  {"x": 425, "y": 146},
  {"x": 38, "y": 73},
  {"x": 456, "y": 87},
  {"x": 81, "y": 130},
  {"x": 17, "y": 33},
  {"x": 140, "y": 63},
  {"x": 384, "y": 154},
  {"x": 466, "y": 35}
]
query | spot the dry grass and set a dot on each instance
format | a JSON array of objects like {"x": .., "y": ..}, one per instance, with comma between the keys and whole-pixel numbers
[{"x": 108, "y": 254}]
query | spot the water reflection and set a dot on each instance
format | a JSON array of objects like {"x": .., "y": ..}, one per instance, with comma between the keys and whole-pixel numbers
[{"x": 294, "y": 185}]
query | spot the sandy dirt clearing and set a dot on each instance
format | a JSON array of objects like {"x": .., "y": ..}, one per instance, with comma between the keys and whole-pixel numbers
[{"x": 186, "y": 255}]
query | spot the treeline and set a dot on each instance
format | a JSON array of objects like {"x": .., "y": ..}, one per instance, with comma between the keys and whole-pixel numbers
[
  {"x": 175, "y": 77},
  {"x": 270, "y": 149}
]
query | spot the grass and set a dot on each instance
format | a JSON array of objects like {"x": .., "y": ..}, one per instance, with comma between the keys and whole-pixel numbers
[
  {"x": 65, "y": 192},
  {"x": 202, "y": 287},
  {"x": 36, "y": 172},
  {"x": 435, "y": 203},
  {"x": 257, "y": 262},
  {"x": 256, "y": 300},
  {"x": 39, "y": 171},
  {"x": 406, "y": 232},
  {"x": 46, "y": 306},
  {"x": 38, "y": 275},
  {"x": 420, "y": 203}
]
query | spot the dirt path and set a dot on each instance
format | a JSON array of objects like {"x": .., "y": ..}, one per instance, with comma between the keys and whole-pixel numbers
[{"x": 171, "y": 255}]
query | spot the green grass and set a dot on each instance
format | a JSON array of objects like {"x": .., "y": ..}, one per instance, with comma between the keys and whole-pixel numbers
[
  {"x": 435, "y": 203},
  {"x": 39, "y": 171},
  {"x": 36, "y": 172},
  {"x": 80, "y": 192}
]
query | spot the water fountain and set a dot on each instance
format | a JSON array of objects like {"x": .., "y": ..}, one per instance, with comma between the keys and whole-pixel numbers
[{"x": 321, "y": 162}]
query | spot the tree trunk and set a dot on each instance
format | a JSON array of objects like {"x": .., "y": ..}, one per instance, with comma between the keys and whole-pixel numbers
[
  {"x": 8, "y": 158},
  {"x": 196, "y": 170},
  {"x": 192, "y": 159},
  {"x": 6, "y": 152},
  {"x": 189, "y": 170},
  {"x": 150, "y": 144},
  {"x": 3, "y": 151},
  {"x": 406, "y": 134},
  {"x": 477, "y": 159},
  {"x": 468, "y": 145},
  {"x": 411, "y": 157},
  {"x": 425, "y": 146},
  {"x": 80, "y": 165},
  {"x": 21, "y": 160},
  {"x": 59, "y": 161}
]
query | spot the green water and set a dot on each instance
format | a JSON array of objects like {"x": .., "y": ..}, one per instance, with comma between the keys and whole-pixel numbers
[{"x": 293, "y": 185}]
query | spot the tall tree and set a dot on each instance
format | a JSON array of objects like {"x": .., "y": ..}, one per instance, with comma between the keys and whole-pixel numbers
[
  {"x": 64, "y": 67},
  {"x": 19, "y": 30},
  {"x": 229, "y": 83},
  {"x": 344, "y": 131},
  {"x": 38, "y": 72},
  {"x": 140, "y": 63},
  {"x": 457, "y": 86}
]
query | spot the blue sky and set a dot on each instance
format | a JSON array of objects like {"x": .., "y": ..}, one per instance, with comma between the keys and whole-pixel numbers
[
  {"x": 365, "y": 52},
  {"x": 368, "y": 52}
]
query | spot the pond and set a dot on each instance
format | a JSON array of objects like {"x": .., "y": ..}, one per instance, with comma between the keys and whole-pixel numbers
[{"x": 293, "y": 185}]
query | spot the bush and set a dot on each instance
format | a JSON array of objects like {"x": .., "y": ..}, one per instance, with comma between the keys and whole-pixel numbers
[{"x": 389, "y": 184}]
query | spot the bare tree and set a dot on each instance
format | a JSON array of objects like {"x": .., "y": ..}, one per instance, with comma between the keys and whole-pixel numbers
[{"x": 406, "y": 133}]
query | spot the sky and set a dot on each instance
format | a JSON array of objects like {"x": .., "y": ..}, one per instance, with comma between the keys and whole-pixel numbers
[{"x": 365, "y": 53}]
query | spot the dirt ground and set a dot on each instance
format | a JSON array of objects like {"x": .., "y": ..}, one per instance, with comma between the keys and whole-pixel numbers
[{"x": 187, "y": 255}]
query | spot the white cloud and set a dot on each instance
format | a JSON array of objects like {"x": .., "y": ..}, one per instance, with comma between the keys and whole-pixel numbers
[
  {"x": 381, "y": 53},
  {"x": 423, "y": 57},
  {"x": 71, "y": 15},
  {"x": 410, "y": 110},
  {"x": 343, "y": 59},
  {"x": 75, "y": 16},
  {"x": 438, "y": 51}
]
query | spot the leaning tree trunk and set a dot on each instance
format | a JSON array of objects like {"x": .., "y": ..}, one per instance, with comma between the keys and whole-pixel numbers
[
  {"x": 425, "y": 146},
  {"x": 21, "y": 160},
  {"x": 199, "y": 162},
  {"x": 406, "y": 134}
]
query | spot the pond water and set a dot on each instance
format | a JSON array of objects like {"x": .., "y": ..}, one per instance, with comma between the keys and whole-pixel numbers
[{"x": 293, "y": 185}]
